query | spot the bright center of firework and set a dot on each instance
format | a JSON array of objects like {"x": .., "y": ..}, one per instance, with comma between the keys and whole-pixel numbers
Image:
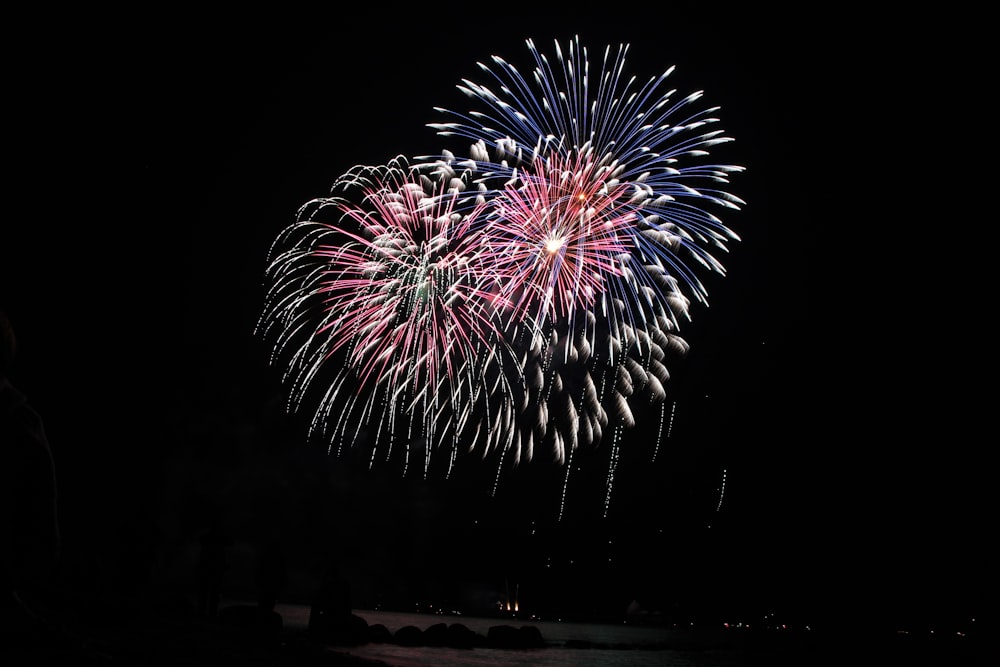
[{"x": 552, "y": 245}]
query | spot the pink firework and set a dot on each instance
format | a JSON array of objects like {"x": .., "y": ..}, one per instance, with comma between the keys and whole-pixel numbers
[
  {"x": 558, "y": 238},
  {"x": 397, "y": 296}
]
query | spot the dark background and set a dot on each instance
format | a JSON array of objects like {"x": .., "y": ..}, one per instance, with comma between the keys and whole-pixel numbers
[{"x": 154, "y": 158}]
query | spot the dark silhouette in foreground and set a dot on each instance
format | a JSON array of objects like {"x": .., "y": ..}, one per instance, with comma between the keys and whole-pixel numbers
[
  {"x": 272, "y": 574},
  {"x": 212, "y": 566},
  {"x": 331, "y": 615},
  {"x": 30, "y": 543}
]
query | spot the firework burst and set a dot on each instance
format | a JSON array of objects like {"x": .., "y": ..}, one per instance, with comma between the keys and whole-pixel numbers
[
  {"x": 626, "y": 139},
  {"x": 529, "y": 295},
  {"x": 396, "y": 294}
]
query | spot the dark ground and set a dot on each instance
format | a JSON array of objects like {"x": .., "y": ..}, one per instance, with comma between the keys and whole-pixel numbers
[
  {"x": 130, "y": 633},
  {"x": 126, "y": 633}
]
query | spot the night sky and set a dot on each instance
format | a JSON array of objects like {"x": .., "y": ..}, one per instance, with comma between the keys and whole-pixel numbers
[{"x": 153, "y": 165}]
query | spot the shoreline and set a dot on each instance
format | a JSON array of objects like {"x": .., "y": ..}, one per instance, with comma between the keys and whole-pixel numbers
[{"x": 142, "y": 633}]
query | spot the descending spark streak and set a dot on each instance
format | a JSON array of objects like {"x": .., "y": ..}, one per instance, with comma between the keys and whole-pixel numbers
[
  {"x": 660, "y": 435},
  {"x": 612, "y": 467},
  {"x": 722, "y": 491}
]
